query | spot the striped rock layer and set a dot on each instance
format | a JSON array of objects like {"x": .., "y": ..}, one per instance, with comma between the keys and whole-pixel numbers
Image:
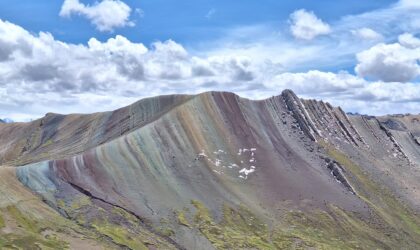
[{"x": 194, "y": 171}]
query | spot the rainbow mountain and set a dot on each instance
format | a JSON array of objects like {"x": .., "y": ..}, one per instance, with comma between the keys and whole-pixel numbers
[{"x": 212, "y": 171}]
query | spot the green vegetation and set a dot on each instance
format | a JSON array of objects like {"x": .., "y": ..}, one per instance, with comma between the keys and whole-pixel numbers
[
  {"x": 2, "y": 224},
  {"x": 397, "y": 221},
  {"x": 47, "y": 143},
  {"x": 80, "y": 202},
  {"x": 238, "y": 229},
  {"x": 182, "y": 220},
  {"x": 28, "y": 234},
  {"x": 165, "y": 231},
  {"x": 28, "y": 224},
  {"x": 332, "y": 229},
  {"x": 391, "y": 225},
  {"x": 126, "y": 230},
  {"x": 120, "y": 235},
  {"x": 202, "y": 214},
  {"x": 129, "y": 218},
  {"x": 116, "y": 225}
]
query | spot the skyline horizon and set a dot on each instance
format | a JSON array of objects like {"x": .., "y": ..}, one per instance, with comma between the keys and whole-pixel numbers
[{"x": 8, "y": 120}]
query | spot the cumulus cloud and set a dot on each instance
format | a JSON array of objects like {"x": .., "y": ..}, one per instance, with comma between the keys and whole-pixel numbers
[
  {"x": 397, "y": 62},
  {"x": 306, "y": 25},
  {"x": 331, "y": 85},
  {"x": 409, "y": 41},
  {"x": 315, "y": 81},
  {"x": 367, "y": 34},
  {"x": 39, "y": 74},
  {"x": 39, "y": 67},
  {"x": 99, "y": 66},
  {"x": 105, "y": 15},
  {"x": 352, "y": 93}
]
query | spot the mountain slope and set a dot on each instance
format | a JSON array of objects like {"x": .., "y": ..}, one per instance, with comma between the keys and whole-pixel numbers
[
  {"x": 26, "y": 221},
  {"x": 219, "y": 171},
  {"x": 57, "y": 136}
]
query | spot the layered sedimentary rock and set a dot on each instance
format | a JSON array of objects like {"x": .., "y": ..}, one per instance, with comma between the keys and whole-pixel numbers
[
  {"x": 219, "y": 171},
  {"x": 57, "y": 136}
]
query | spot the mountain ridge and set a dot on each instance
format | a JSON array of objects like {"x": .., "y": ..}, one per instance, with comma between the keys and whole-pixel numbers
[{"x": 197, "y": 168}]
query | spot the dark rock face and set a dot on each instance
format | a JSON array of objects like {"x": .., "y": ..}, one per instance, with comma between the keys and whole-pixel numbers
[
  {"x": 394, "y": 125},
  {"x": 417, "y": 140},
  {"x": 189, "y": 155},
  {"x": 295, "y": 106},
  {"x": 337, "y": 172}
]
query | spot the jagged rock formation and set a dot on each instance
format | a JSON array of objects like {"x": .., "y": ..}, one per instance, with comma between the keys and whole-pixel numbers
[{"x": 219, "y": 171}]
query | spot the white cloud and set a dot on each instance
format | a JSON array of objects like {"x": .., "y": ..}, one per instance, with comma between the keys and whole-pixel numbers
[
  {"x": 39, "y": 74},
  {"x": 38, "y": 68},
  {"x": 397, "y": 62},
  {"x": 409, "y": 41},
  {"x": 352, "y": 93},
  {"x": 119, "y": 44},
  {"x": 315, "y": 81},
  {"x": 105, "y": 15},
  {"x": 367, "y": 34},
  {"x": 336, "y": 51},
  {"x": 306, "y": 25}
]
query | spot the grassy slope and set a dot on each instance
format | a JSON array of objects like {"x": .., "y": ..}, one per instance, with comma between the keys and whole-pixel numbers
[
  {"x": 121, "y": 227},
  {"x": 28, "y": 223}
]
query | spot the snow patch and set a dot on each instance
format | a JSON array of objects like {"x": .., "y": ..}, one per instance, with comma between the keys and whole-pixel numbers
[
  {"x": 223, "y": 161},
  {"x": 246, "y": 172},
  {"x": 202, "y": 154}
]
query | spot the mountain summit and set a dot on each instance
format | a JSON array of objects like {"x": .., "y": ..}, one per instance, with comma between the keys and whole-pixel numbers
[{"x": 213, "y": 171}]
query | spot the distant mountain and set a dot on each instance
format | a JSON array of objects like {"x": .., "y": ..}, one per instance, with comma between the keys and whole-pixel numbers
[
  {"x": 6, "y": 120},
  {"x": 214, "y": 171}
]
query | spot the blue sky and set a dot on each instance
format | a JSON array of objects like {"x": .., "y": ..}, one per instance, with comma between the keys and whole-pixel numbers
[
  {"x": 183, "y": 21},
  {"x": 77, "y": 56}
]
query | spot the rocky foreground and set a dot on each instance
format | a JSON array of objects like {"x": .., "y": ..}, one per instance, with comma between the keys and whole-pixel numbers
[{"x": 212, "y": 171}]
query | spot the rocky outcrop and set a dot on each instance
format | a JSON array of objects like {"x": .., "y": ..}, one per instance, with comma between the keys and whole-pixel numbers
[
  {"x": 416, "y": 139},
  {"x": 298, "y": 110},
  {"x": 397, "y": 146},
  {"x": 339, "y": 173},
  {"x": 332, "y": 123}
]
